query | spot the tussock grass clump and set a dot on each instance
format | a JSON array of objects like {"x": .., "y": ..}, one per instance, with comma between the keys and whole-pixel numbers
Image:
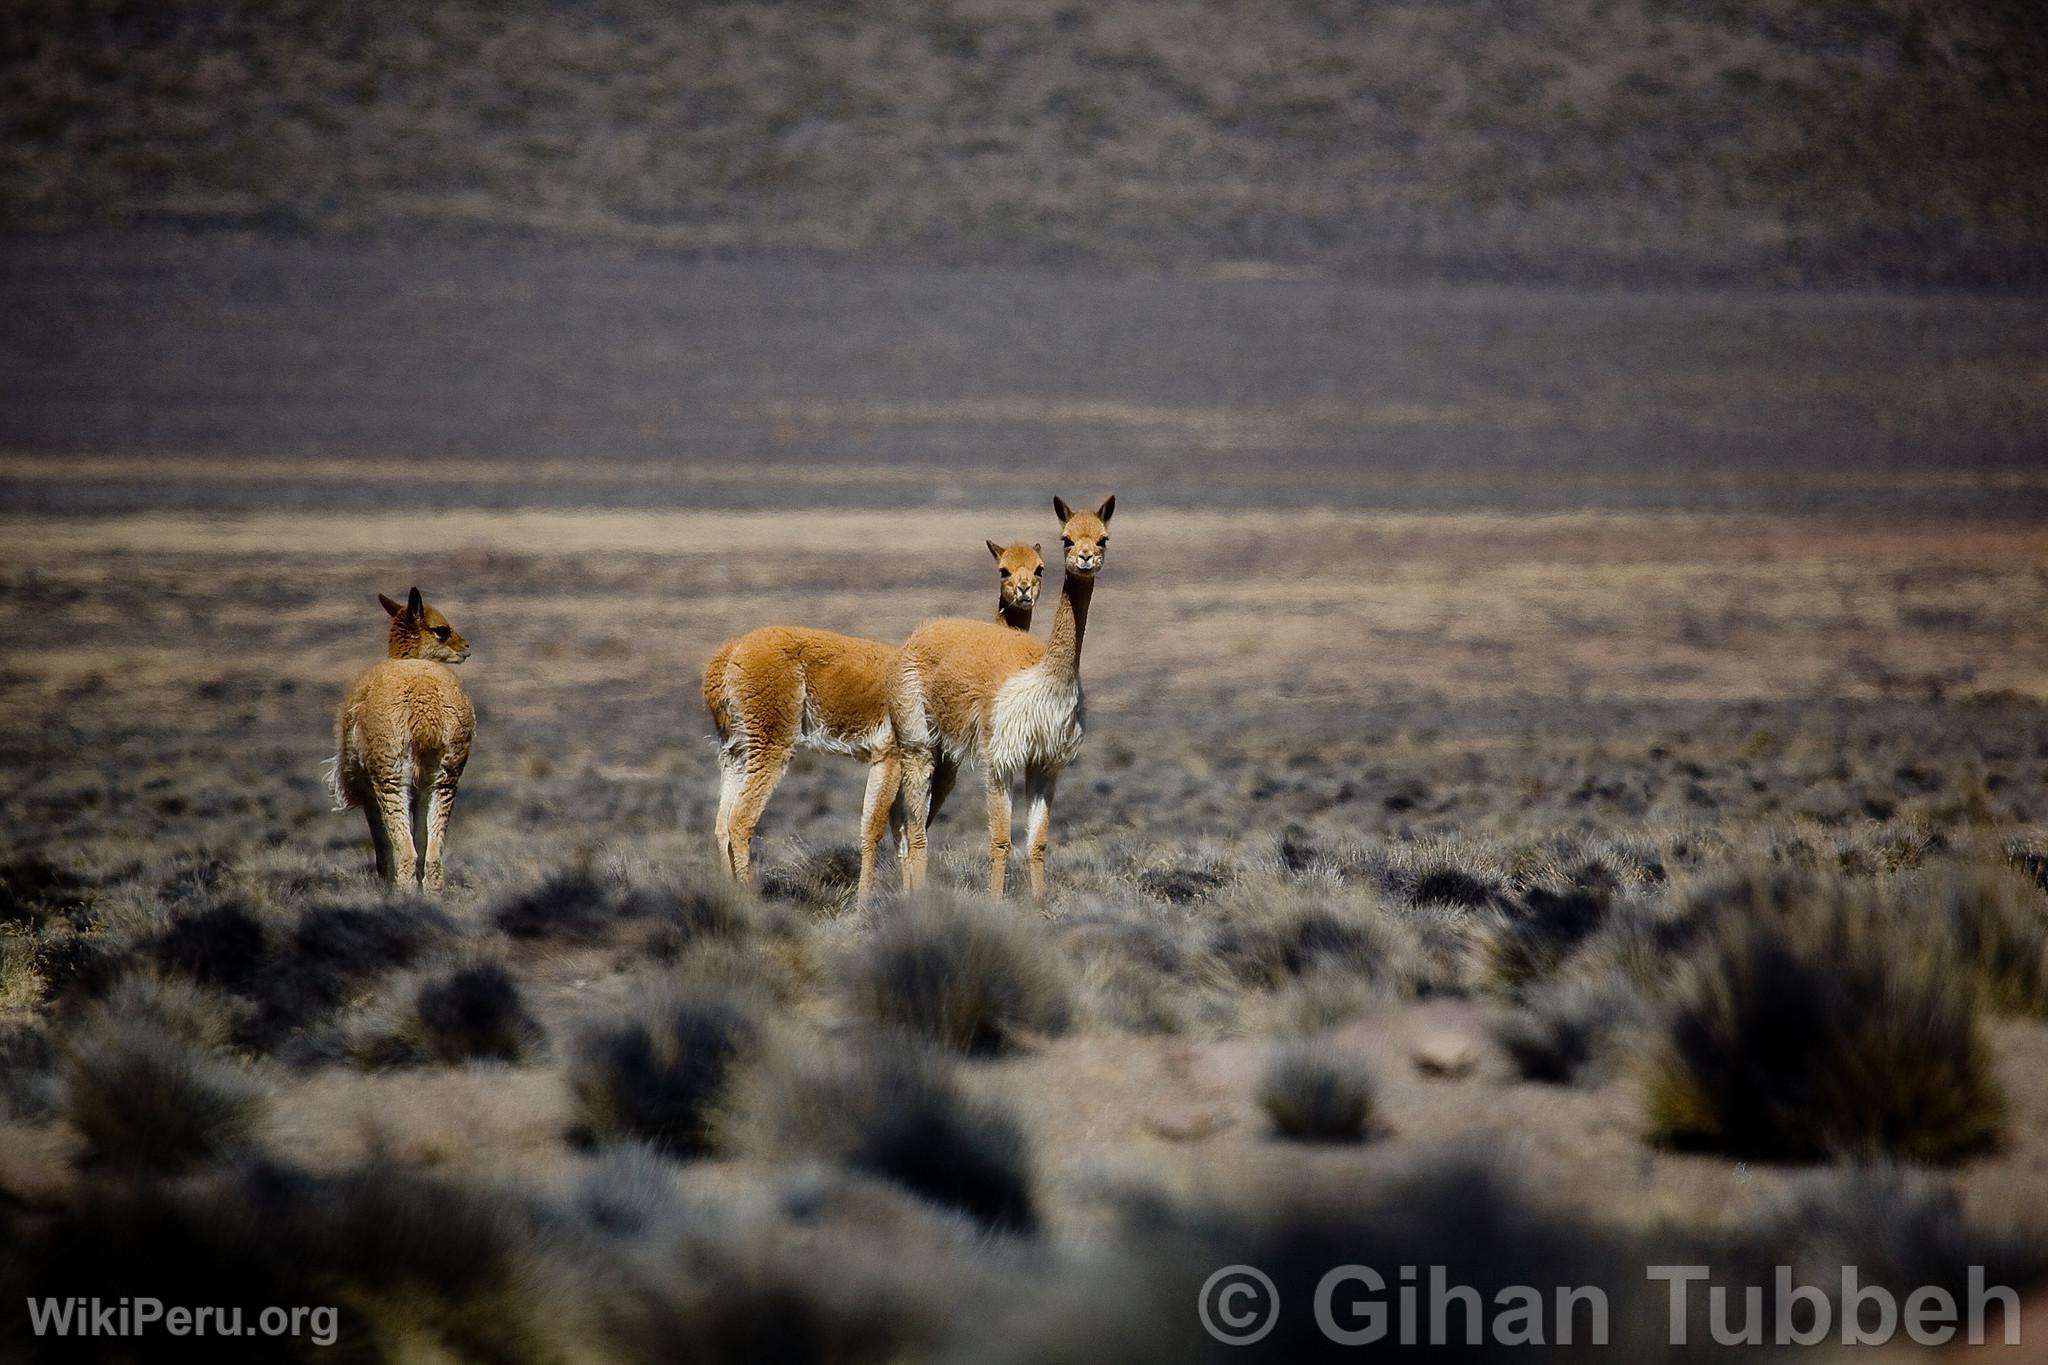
[
  {"x": 468, "y": 1010},
  {"x": 896, "y": 1112},
  {"x": 1469, "y": 1215},
  {"x": 1818, "y": 1021},
  {"x": 1314, "y": 1093},
  {"x": 146, "y": 1085},
  {"x": 1564, "y": 1031},
  {"x": 579, "y": 907},
  {"x": 825, "y": 880},
  {"x": 661, "y": 1073},
  {"x": 475, "y": 1011},
  {"x": 1999, "y": 920},
  {"x": 1269, "y": 940},
  {"x": 965, "y": 976},
  {"x": 29, "y": 1086}
]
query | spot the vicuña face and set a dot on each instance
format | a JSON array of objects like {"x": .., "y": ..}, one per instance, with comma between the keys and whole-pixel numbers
[
  {"x": 415, "y": 620},
  {"x": 1085, "y": 536},
  {"x": 439, "y": 640},
  {"x": 1022, "y": 572}
]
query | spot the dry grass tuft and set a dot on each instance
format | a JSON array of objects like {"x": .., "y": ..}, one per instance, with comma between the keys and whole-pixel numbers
[
  {"x": 1819, "y": 1020},
  {"x": 1313, "y": 1093},
  {"x": 661, "y": 1073},
  {"x": 968, "y": 976},
  {"x": 897, "y": 1112}
]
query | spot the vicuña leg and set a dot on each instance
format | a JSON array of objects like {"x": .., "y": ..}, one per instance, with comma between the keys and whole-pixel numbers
[
  {"x": 732, "y": 773},
  {"x": 394, "y": 813},
  {"x": 765, "y": 767},
  {"x": 877, "y": 813},
  {"x": 1038, "y": 825},
  {"x": 998, "y": 832},
  {"x": 914, "y": 792},
  {"x": 438, "y": 808},
  {"x": 380, "y": 841}
]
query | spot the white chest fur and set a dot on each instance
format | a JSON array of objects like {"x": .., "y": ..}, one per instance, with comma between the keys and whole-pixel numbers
[{"x": 1035, "y": 722}]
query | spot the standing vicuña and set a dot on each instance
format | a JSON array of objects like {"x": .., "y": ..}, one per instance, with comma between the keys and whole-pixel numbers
[
  {"x": 780, "y": 688},
  {"x": 962, "y": 689},
  {"x": 401, "y": 739}
]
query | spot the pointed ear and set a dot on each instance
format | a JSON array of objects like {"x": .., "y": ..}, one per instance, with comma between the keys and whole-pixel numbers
[
  {"x": 390, "y": 606},
  {"x": 994, "y": 550},
  {"x": 414, "y": 607},
  {"x": 1061, "y": 510},
  {"x": 1106, "y": 509},
  {"x": 1038, "y": 549}
]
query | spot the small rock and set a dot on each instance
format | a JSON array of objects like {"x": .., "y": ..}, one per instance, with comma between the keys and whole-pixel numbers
[
  {"x": 1188, "y": 1125},
  {"x": 1446, "y": 1054}
]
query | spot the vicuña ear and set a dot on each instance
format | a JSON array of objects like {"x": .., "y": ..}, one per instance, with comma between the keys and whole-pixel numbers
[
  {"x": 414, "y": 607},
  {"x": 1060, "y": 508},
  {"x": 390, "y": 606},
  {"x": 1106, "y": 509},
  {"x": 1038, "y": 549},
  {"x": 994, "y": 550}
]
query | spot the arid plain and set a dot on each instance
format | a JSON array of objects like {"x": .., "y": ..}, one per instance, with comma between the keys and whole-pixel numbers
[{"x": 1579, "y": 746}]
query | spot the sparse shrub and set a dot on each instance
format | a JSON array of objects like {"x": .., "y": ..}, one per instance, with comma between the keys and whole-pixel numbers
[
  {"x": 661, "y": 1073},
  {"x": 2000, "y": 923},
  {"x": 1264, "y": 944},
  {"x": 896, "y": 1112},
  {"x": 961, "y": 975},
  {"x": 1545, "y": 923},
  {"x": 475, "y": 1011},
  {"x": 142, "y": 1096},
  {"x": 455, "y": 1013},
  {"x": 825, "y": 880},
  {"x": 1814, "y": 1023},
  {"x": 1181, "y": 884},
  {"x": 578, "y": 907},
  {"x": 33, "y": 889},
  {"x": 572, "y": 905},
  {"x": 1563, "y": 1029},
  {"x": 223, "y": 945},
  {"x": 1313, "y": 1093},
  {"x": 29, "y": 1087}
]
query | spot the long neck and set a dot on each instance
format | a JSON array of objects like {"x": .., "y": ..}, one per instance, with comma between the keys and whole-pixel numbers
[
  {"x": 1011, "y": 615},
  {"x": 405, "y": 640},
  {"x": 1069, "y": 624}
]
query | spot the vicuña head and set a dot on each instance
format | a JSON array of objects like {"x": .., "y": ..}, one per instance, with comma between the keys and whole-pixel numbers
[
  {"x": 1085, "y": 535},
  {"x": 401, "y": 739},
  {"x": 420, "y": 632},
  {"x": 1021, "y": 573}
]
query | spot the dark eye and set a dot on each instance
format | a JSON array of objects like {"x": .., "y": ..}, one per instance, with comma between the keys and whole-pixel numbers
[
  {"x": 1004, "y": 572},
  {"x": 441, "y": 632},
  {"x": 1067, "y": 541},
  {"x": 1038, "y": 572}
]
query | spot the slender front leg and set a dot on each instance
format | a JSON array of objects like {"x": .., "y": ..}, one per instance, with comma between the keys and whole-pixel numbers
[
  {"x": 394, "y": 812},
  {"x": 884, "y": 777},
  {"x": 437, "y": 833},
  {"x": 1038, "y": 825},
  {"x": 998, "y": 832},
  {"x": 913, "y": 794}
]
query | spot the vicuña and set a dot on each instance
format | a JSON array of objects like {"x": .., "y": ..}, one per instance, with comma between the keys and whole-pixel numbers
[
  {"x": 777, "y": 689},
  {"x": 964, "y": 690},
  {"x": 401, "y": 739}
]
